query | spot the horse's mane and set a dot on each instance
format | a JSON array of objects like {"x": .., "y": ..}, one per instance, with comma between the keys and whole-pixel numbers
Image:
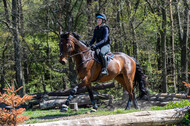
[
  {"x": 74, "y": 34},
  {"x": 77, "y": 36}
]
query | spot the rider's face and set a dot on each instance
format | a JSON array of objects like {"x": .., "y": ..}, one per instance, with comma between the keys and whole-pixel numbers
[{"x": 99, "y": 21}]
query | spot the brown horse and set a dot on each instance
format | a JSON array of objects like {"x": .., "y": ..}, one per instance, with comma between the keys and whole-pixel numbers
[{"x": 121, "y": 68}]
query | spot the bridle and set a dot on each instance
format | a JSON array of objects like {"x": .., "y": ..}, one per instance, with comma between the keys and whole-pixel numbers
[{"x": 81, "y": 53}]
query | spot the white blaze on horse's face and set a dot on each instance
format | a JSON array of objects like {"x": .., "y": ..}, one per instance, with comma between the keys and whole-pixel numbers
[{"x": 63, "y": 59}]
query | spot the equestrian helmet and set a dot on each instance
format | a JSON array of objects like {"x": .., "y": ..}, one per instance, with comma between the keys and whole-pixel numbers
[{"x": 101, "y": 16}]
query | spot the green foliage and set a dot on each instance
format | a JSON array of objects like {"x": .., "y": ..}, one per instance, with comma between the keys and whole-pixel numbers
[
  {"x": 173, "y": 105},
  {"x": 186, "y": 120},
  {"x": 179, "y": 104}
]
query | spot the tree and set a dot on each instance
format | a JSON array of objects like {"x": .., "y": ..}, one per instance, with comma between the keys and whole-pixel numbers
[
  {"x": 183, "y": 33},
  {"x": 163, "y": 46},
  {"x": 2, "y": 81},
  {"x": 173, "y": 48},
  {"x": 18, "y": 65},
  {"x": 184, "y": 43}
]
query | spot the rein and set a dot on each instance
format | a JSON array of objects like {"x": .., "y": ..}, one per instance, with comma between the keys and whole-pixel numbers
[
  {"x": 79, "y": 53},
  {"x": 84, "y": 62}
]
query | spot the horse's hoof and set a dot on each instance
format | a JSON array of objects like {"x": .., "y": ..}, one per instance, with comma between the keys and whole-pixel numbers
[
  {"x": 137, "y": 107},
  {"x": 127, "y": 108},
  {"x": 64, "y": 108},
  {"x": 93, "y": 110}
]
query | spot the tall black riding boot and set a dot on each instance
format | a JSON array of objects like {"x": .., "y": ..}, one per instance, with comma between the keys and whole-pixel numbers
[{"x": 104, "y": 66}]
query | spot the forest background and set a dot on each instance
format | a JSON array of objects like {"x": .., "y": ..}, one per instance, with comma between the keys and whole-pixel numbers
[{"x": 155, "y": 32}]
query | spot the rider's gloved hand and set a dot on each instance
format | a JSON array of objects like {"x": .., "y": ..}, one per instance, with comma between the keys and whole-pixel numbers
[{"x": 93, "y": 47}]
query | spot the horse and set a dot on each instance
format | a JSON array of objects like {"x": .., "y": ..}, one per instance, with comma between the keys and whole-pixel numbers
[{"x": 122, "y": 68}]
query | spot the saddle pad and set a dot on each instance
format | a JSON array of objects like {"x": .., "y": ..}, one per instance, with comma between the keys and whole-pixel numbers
[{"x": 108, "y": 57}]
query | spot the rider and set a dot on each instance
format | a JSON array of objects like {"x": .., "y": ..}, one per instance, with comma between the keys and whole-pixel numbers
[{"x": 101, "y": 36}]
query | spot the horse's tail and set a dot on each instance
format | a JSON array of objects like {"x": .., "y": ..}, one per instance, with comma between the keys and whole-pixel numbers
[{"x": 140, "y": 77}]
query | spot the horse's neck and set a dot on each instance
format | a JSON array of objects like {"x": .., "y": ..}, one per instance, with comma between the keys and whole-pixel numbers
[
  {"x": 80, "y": 46},
  {"x": 80, "y": 58}
]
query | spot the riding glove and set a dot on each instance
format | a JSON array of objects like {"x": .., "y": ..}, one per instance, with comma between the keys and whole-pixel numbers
[{"x": 93, "y": 47}]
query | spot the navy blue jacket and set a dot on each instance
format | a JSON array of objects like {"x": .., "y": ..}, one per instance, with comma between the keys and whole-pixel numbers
[{"x": 101, "y": 36}]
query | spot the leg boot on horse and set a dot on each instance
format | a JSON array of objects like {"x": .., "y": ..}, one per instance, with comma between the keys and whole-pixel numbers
[
  {"x": 65, "y": 107},
  {"x": 94, "y": 104}
]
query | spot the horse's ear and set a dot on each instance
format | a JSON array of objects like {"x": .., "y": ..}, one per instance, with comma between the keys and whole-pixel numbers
[{"x": 67, "y": 33}]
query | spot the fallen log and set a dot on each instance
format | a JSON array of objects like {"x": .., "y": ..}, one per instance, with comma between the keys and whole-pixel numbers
[
  {"x": 163, "y": 99},
  {"x": 175, "y": 95},
  {"x": 80, "y": 99},
  {"x": 82, "y": 90},
  {"x": 144, "y": 118}
]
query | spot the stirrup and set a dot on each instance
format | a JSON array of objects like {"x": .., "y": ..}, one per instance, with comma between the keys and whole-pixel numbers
[{"x": 104, "y": 71}]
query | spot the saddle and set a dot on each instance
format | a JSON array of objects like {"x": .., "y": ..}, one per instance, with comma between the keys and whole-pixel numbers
[{"x": 109, "y": 56}]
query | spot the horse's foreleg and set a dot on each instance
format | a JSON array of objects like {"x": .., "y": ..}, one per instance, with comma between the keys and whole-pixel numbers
[
  {"x": 72, "y": 93},
  {"x": 92, "y": 97}
]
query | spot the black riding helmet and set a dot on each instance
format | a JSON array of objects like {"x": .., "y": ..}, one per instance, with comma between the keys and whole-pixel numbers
[{"x": 101, "y": 16}]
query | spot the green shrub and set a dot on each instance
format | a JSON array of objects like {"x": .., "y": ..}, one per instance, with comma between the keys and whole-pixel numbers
[
  {"x": 186, "y": 120},
  {"x": 180, "y": 104},
  {"x": 173, "y": 105}
]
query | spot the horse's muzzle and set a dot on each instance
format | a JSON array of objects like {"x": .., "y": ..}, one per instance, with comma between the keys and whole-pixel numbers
[{"x": 62, "y": 62}]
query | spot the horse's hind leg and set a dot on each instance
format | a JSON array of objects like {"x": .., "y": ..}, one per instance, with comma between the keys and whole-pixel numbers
[
  {"x": 129, "y": 87},
  {"x": 135, "y": 103},
  {"x": 125, "y": 84}
]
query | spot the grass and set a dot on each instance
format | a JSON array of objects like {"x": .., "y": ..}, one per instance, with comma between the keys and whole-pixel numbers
[
  {"x": 38, "y": 116},
  {"x": 49, "y": 115}
]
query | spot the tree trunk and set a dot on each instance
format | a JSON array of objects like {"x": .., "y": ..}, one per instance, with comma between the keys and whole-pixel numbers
[
  {"x": 18, "y": 65},
  {"x": 68, "y": 18},
  {"x": 23, "y": 40},
  {"x": 163, "y": 45},
  {"x": 2, "y": 81},
  {"x": 173, "y": 48},
  {"x": 68, "y": 23},
  {"x": 131, "y": 23},
  {"x": 183, "y": 38},
  {"x": 158, "y": 50},
  {"x": 6, "y": 11},
  {"x": 60, "y": 32},
  {"x": 184, "y": 44},
  {"x": 90, "y": 16}
]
